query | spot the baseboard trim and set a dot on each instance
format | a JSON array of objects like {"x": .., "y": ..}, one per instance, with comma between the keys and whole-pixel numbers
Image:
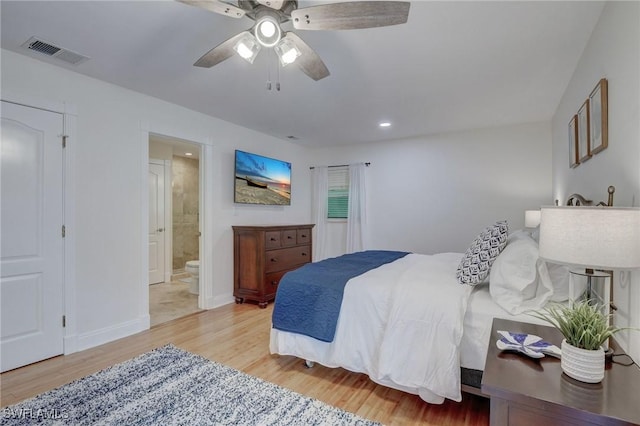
[
  {"x": 218, "y": 301},
  {"x": 145, "y": 321},
  {"x": 109, "y": 334},
  {"x": 70, "y": 344}
]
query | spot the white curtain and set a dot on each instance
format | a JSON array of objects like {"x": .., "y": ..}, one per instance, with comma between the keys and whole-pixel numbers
[
  {"x": 357, "y": 213},
  {"x": 320, "y": 188}
]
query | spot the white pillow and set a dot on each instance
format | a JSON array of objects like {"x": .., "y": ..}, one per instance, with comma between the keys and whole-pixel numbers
[
  {"x": 517, "y": 234},
  {"x": 525, "y": 233},
  {"x": 559, "y": 275},
  {"x": 519, "y": 281}
]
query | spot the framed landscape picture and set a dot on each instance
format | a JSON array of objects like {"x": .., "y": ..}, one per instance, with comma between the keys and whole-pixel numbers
[
  {"x": 584, "y": 149},
  {"x": 574, "y": 161},
  {"x": 598, "y": 117}
]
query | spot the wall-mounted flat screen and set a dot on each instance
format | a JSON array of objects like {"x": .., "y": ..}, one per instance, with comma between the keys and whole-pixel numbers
[{"x": 262, "y": 180}]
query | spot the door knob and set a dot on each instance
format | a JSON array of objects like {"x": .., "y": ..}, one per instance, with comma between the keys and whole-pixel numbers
[{"x": 160, "y": 229}]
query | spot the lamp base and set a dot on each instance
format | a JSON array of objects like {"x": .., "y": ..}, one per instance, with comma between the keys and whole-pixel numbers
[{"x": 608, "y": 355}]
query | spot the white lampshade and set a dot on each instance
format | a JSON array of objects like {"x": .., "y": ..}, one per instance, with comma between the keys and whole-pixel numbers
[
  {"x": 591, "y": 237},
  {"x": 531, "y": 218}
]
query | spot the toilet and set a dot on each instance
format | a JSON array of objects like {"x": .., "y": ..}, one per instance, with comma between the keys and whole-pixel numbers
[{"x": 193, "y": 268}]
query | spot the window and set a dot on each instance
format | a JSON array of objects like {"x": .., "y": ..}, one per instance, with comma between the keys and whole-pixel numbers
[{"x": 338, "y": 197}]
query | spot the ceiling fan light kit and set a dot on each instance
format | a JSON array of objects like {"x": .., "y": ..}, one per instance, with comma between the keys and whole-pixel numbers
[
  {"x": 247, "y": 47},
  {"x": 267, "y": 31},
  {"x": 288, "y": 46},
  {"x": 287, "y": 51}
]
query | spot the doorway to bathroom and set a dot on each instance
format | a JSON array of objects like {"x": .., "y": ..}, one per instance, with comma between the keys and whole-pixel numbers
[{"x": 174, "y": 231}]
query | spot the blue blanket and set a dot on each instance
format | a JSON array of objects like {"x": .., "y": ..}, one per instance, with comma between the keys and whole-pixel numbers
[{"x": 309, "y": 298}]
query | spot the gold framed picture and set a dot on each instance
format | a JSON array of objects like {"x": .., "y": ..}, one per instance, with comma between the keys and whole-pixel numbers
[
  {"x": 574, "y": 160},
  {"x": 598, "y": 117},
  {"x": 584, "y": 149}
]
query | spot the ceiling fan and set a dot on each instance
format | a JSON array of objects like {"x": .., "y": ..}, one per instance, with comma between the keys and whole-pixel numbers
[{"x": 267, "y": 32}]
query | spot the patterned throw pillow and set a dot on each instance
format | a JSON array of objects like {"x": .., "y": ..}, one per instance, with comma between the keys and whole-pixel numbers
[{"x": 477, "y": 260}]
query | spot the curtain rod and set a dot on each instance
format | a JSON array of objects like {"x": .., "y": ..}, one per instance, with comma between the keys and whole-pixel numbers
[{"x": 340, "y": 165}]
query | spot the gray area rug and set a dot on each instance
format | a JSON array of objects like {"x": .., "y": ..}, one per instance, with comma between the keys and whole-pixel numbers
[{"x": 169, "y": 386}]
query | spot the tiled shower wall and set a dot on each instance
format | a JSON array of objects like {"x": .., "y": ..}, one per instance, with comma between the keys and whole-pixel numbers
[{"x": 185, "y": 192}]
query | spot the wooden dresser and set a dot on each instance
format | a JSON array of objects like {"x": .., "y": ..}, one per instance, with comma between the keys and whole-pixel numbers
[{"x": 263, "y": 254}]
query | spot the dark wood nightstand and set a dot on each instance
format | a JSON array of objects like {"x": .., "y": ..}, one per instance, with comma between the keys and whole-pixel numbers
[{"x": 528, "y": 391}]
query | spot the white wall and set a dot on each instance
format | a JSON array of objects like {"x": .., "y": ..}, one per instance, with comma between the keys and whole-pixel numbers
[
  {"x": 613, "y": 52},
  {"x": 436, "y": 193},
  {"x": 110, "y": 153}
]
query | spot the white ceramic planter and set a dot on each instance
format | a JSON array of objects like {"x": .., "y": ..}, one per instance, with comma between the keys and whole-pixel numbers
[{"x": 581, "y": 364}]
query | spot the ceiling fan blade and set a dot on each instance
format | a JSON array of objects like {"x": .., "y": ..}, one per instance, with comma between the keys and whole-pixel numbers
[
  {"x": 217, "y": 6},
  {"x": 273, "y": 4},
  {"x": 308, "y": 61},
  {"x": 350, "y": 15},
  {"x": 219, "y": 53}
]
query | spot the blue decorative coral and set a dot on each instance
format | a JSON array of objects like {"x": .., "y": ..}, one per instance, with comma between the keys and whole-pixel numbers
[{"x": 529, "y": 344}]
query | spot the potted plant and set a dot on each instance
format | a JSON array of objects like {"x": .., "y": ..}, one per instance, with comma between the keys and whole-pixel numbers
[{"x": 585, "y": 329}]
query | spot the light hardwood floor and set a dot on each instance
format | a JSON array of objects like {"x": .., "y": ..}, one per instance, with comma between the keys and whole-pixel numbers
[{"x": 238, "y": 336}]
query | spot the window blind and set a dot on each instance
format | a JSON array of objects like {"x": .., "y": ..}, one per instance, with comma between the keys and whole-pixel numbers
[{"x": 338, "y": 197}]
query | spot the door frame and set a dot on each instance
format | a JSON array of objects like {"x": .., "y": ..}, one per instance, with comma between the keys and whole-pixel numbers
[
  {"x": 69, "y": 117},
  {"x": 168, "y": 223},
  {"x": 205, "y": 298}
]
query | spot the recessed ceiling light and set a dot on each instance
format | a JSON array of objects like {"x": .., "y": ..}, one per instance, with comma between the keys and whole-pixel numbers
[
  {"x": 188, "y": 154},
  {"x": 384, "y": 124}
]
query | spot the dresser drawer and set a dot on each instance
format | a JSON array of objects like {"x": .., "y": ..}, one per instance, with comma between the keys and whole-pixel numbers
[
  {"x": 272, "y": 280},
  {"x": 289, "y": 238},
  {"x": 278, "y": 260},
  {"x": 272, "y": 239},
  {"x": 303, "y": 236}
]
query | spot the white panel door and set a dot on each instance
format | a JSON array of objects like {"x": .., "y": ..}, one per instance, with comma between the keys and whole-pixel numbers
[
  {"x": 32, "y": 248},
  {"x": 156, "y": 223}
]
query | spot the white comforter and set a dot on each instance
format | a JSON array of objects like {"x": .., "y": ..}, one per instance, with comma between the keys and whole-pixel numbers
[{"x": 401, "y": 324}]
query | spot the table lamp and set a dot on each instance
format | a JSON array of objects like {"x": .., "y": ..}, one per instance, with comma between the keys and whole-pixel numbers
[
  {"x": 531, "y": 218},
  {"x": 531, "y": 222},
  {"x": 606, "y": 238}
]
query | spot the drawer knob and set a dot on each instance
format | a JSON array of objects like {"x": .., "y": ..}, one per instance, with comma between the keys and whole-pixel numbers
[
  {"x": 289, "y": 237},
  {"x": 273, "y": 239},
  {"x": 274, "y": 283},
  {"x": 273, "y": 259},
  {"x": 304, "y": 254},
  {"x": 303, "y": 236}
]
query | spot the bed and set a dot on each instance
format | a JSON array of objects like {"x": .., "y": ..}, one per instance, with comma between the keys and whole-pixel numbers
[{"x": 409, "y": 323}]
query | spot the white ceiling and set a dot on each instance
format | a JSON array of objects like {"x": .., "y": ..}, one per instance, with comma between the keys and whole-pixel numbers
[{"x": 452, "y": 66}]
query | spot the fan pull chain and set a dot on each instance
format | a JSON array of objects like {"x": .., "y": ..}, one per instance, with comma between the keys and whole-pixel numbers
[
  {"x": 268, "y": 75},
  {"x": 269, "y": 84}
]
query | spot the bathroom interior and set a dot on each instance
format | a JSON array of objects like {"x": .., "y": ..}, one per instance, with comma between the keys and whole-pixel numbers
[{"x": 175, "y": 293}]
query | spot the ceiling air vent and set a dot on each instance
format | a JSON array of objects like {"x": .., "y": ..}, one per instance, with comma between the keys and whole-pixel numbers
[{"x": 49, "y": 49}]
